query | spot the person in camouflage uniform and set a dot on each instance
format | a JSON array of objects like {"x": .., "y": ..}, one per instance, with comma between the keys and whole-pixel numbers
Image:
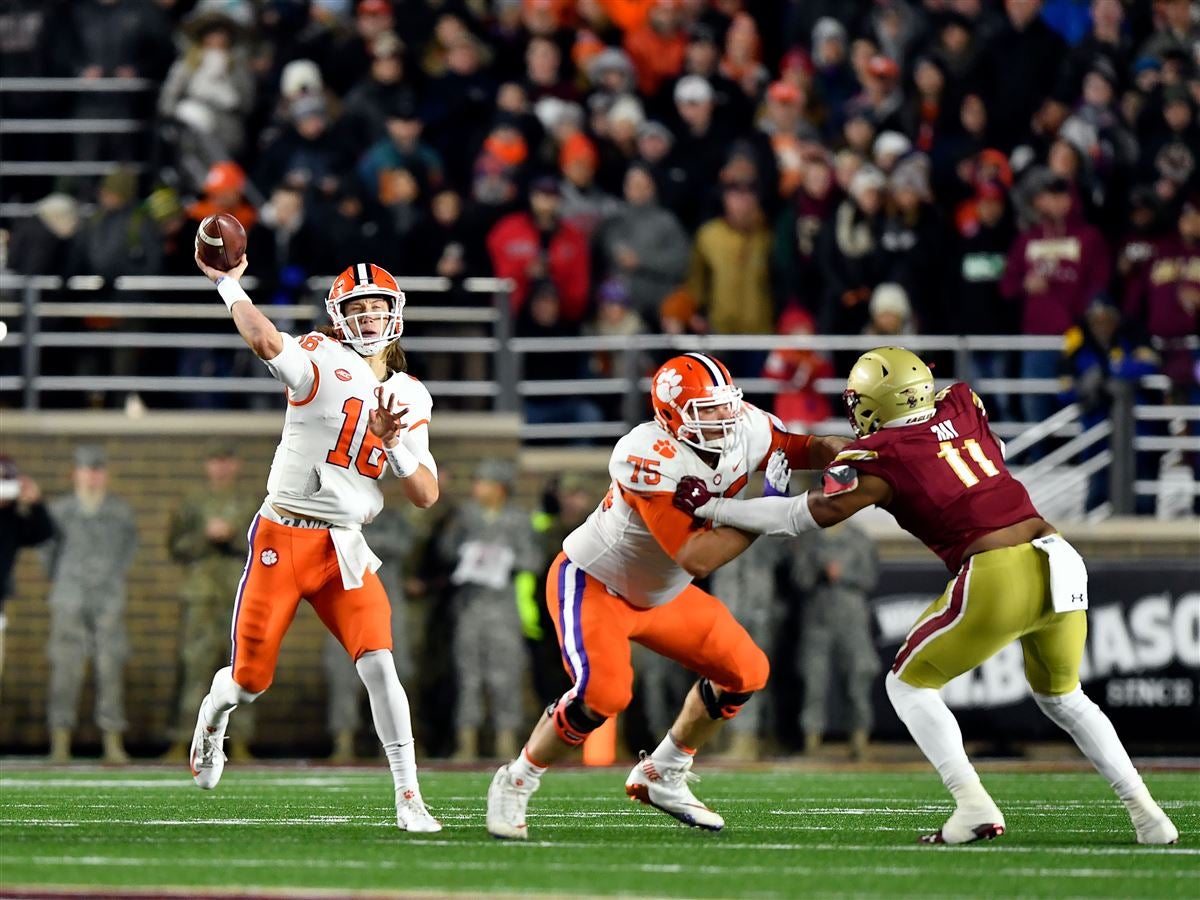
[
  {"x": 392, "y": 537},
  {"x": 88, "y": 559},
  {"x": 747, "y": 585},
  {"x": 495, "y": 556},
  {"x": 835, "y": 569},
  {"x": 207, "y": 535}
]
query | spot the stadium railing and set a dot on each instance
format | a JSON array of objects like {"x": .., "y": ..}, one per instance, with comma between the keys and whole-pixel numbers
[{"x": 1060, "y": 455}]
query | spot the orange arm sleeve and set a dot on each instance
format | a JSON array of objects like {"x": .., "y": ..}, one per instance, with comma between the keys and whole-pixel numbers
[
  {"x": 671, "y": 527},
  {"x": 796, "y": 446}
]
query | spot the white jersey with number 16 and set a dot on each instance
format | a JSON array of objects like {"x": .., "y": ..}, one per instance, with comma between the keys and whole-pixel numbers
[{"x": 328, "y": 461}]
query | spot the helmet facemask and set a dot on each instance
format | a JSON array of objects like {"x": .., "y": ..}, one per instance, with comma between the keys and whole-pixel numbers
[
  {"x": 387, "y": 323},
  {"x": 699, "y": 433}
]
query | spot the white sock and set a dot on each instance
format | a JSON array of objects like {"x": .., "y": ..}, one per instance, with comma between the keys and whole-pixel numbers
[
  {"x": 523, "y": 768},
  {"x": 389, "y": 710},
  {"x": 936, "y": 731},
  {"x": 1093, "y": 732},
  {"x": 672, "y": 753},
  {"x": 224, "y": 696}
]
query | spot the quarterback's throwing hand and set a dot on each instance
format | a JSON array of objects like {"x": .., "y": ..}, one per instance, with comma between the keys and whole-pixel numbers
[
  {"x": 691, "y": 494},
  {"x": 386, "y": 423}
]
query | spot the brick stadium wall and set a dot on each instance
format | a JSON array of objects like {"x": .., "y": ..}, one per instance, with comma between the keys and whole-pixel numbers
[{"x": 153, "y": 462}]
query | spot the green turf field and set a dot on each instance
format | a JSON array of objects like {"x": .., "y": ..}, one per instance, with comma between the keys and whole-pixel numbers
[{"x": 788, "y": 834}]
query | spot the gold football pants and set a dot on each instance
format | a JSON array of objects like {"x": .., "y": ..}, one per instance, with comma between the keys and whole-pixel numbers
[{"x": 996, "y": 597}]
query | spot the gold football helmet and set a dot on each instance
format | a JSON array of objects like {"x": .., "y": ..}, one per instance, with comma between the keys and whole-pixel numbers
[{"x": 887, "y": 384}]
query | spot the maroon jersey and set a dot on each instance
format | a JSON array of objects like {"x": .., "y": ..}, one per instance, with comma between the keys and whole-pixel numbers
[{"x": 949, "y": 482}]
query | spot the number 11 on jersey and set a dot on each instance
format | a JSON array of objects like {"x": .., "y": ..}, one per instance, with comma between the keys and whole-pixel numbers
[{"x": 951, "y": 455}]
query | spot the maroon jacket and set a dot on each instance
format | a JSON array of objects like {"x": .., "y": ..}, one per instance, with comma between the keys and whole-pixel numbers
[
  {"x": 1166, "y": 297},
  {"x": 514, "y": 243},
  {"x": 1074, "y": 261}
]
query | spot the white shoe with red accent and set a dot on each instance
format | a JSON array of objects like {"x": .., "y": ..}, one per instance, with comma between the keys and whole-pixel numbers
[
  {"x": 978, "y": 822},
  {"x": 206, "y": 759},
  {"x": 666, "y": 788},
  {"x": 506, "y": 801},
  {"x": 412, "y": 815}
]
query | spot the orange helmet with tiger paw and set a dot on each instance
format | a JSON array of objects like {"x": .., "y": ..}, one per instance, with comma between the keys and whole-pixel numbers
[{"x": 686, "y": 385}]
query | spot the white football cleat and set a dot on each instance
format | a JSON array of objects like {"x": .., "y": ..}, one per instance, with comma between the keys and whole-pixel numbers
[
  {"x": 1157, "y": 830},
  {"x": 666, "y": 788},
  {"x": 506, "y": 802},
  {"x": 206, "y": 759},
  {"x": 978, "y": 822},
  {"x": 411, "y": 814}
]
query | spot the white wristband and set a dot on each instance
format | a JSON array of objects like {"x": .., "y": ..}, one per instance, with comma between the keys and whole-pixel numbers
[
  {"x": 231, "y": 292},
  {"x": 402, "y": 460},
  {"x": 777, "y": 516}
]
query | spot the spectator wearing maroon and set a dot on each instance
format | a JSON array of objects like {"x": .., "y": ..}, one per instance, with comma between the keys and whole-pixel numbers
[
  {"x": 981, "y": 254},
  {"x": 644, "y": 245},
  {"x": 700, "y": 150},
  {"x": 851, "y": 257},
  {"x": 658, "y": 46},
  {"x": 537, "y": 244},
  {"x": 1165, "y": 299},
  {"x": 1055, "y": 268},
  {"x": 1018, "y": 70},
  {"x": 834, "y": 78},
  {"x": 798, "y": 228},
  {"x": 797, "y": 402},
  {"x": 367, "y": 104}
]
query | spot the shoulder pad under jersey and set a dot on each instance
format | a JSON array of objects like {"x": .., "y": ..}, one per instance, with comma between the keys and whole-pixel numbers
[{"x": 648, "y": 459}]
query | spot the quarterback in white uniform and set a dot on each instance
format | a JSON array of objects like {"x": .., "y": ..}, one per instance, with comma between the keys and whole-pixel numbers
[
  {"x": 352, "y": 413},
  {"x": 626, "y": 575}
]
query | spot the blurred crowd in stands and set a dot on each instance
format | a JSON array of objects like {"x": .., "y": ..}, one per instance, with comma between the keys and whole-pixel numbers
[{"x": 681, "y": 166}]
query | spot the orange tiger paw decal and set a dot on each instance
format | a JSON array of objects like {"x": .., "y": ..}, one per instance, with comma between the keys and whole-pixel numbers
[{"x": 664, "y": 448}]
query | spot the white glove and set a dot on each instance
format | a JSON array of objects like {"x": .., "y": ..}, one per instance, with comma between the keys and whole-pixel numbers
[{"x": 778, "y": 475}]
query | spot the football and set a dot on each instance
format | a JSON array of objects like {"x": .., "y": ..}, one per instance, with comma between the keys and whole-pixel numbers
[{"x": 221, "y": 241}]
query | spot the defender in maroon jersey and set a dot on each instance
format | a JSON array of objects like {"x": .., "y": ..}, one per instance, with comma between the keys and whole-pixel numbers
[{"x": 933, "y": 462}]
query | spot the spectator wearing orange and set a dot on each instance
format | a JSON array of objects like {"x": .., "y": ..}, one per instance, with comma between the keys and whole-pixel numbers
[
  {"x": 657, "y": 47},
  {"x": 784, "y": 125},
  {"x": 798, "y": 402},
  {"x": 742, "y": 61},
  {"x": 224, "y": 192}
]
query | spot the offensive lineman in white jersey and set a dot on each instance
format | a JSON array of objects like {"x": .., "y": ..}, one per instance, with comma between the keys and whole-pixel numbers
[
  {"x": 351, "y": 413},
  {"x": 626, "y": 574}
]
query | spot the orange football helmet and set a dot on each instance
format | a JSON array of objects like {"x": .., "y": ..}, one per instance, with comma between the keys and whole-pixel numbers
[
  {"x": 361, "y": 281},
  {"x": 686, "y": 384}
]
